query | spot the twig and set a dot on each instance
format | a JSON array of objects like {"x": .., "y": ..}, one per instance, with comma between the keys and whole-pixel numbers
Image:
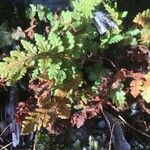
[
  {"x": 4, "y": 130},
  {"x": 112, "y": 63},
  {"x": 111, "y": 136},
  {"x": 6, "y": 146},
  {"x": 2, "y": 147},
  {"x": 146, "y": 109},
  {"x": 1, "y": 139},
  {"x": 133, "y": 127},
  {"x": 30, "y": 28},
  {"x": 35, "y": 141}
]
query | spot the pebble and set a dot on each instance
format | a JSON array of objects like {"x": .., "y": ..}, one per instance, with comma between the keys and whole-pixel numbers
[{"x": 102, "y": 124}]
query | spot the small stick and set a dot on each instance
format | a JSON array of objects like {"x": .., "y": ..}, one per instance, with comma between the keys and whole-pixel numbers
[
  {"x": 112, "y": 63},
  {"x": 4, "y": 130},
  {"x": 111, "y": 136},
  {"x": 6, "y": 146},
  {"x": 2, "y": 147},
  {"x": 30, "y": 28},
  {"x": 133, "y": 127},
  {"x": 35, "y": 141}
]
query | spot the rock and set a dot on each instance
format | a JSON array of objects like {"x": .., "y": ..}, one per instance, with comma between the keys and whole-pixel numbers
[
  {"x": 120, "y": 142},
  {"x": 103, "y": 22},
  {"x": 102, "y": 124}
]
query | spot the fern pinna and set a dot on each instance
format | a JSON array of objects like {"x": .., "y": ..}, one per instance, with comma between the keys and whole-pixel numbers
[{"x": 143, "y": 19}]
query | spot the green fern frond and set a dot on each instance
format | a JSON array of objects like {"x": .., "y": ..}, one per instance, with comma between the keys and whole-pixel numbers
[
  {"x": 118, "y": 96},
  {"x": 55, "y": 42},
  {"x": 117, "y": 16},
  {"x": 70, "y": 37},
  {"x": 38, "y": 10},
  {"x": 85, "y": 7},
  {"x": 13, "y": 68},
  {"x": 42, "y": 44},
  {"x": 29, "y": 47},
  {"x": 116, "y": 34},
  {"x": 115, "y": 39}
]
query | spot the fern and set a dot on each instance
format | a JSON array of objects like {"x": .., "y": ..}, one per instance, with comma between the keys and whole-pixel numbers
[
  {"x": 13, "y": 68},
  {"x": 116, "y": 35},
  {"x": 130, "y": 37},
  {"x": 36, "y": 120},
  {"x": 141, "y": 86},
  {"x": 143, "y": 19},
  {"x": 39, "y": 10},
  {"x": 145, "y": 37},
  {"x": 115, "y": 39},
  {"x": 42, "y": 44},
  {"x": 58, "y": 57},
  {"x": 85, "y": 7},
  {"x": 45, "y": 115},
  {"x": 54, "y": 57},
  {"x": 47, "y": 108},
  {"x": 53, "y": 54},
  {"x": 111, "y": 8},
  {"x": 118, "y": 96}
]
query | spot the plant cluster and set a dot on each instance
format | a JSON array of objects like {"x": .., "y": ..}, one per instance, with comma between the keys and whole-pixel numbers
[
  {"x": 56, "y": 56},
  {"x": 65, "y": 62}
]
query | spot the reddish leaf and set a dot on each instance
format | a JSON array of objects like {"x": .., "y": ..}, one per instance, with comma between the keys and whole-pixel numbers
[
  {"x": 137, "y": 75},
  {"x": 135, "y": 87},
  {"x": 89, "y": 111},
  {"x": 78, "y": 119}
]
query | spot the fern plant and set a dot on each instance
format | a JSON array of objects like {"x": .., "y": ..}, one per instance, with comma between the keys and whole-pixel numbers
[
  {"x": 143, "y": 20},
  {"x": 55, "y": 57},
  {"x": 140, "y": 86},
  {"x": 118, "y": 34},
  {"x": 118, "y": 96},
  {"x": 58, "y": 56},
  {"x": 56, "y": 52},
  {"x": 112, "y": 36}
]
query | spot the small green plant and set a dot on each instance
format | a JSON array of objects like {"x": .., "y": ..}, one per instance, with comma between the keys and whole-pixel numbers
[{"x": 118, "y": 96}]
